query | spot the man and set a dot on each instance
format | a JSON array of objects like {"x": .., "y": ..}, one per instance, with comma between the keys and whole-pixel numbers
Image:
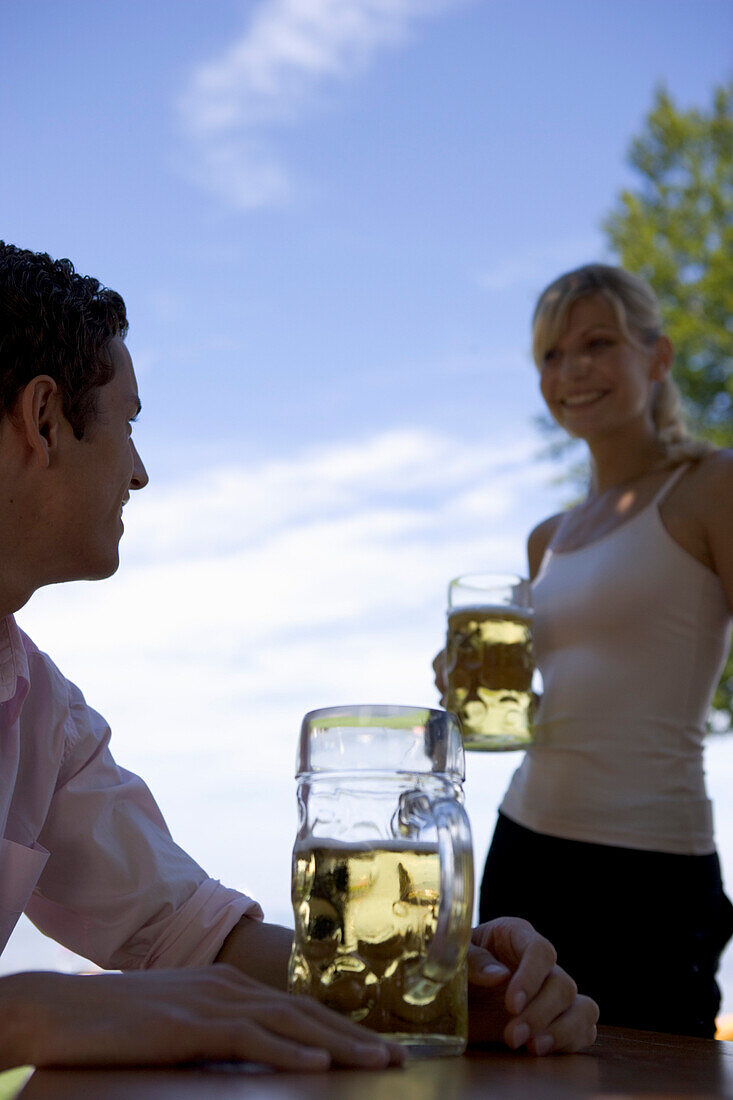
[{"x": 85, "y": 851}]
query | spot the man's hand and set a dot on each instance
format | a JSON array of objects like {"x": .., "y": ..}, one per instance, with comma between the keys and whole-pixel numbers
[
  {"x": 215, "y": 1013},
  {"x": 518, "y": 995}
]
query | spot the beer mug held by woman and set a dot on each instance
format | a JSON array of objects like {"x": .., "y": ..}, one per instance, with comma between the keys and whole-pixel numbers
[{"x": 488, "y": 660}]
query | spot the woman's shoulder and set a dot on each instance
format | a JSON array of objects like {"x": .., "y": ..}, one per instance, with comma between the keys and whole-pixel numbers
[
  {"x": 539, "y": 539},
  {"x": 711, "y": 476},
  {"x": 698, "y": 511},
  {"x": 718, "y": 463}
]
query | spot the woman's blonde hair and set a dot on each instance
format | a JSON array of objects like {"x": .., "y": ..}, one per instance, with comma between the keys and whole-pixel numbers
[{"x": 640, "y": 319}]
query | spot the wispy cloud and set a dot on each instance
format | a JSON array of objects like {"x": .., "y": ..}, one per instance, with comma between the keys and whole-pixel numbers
[
  {"x": 255, "y": 592},
  {"x": 251, "y": 593},
  {"x": 290, "y": 54},
  {"x": 232, "y": 507}
]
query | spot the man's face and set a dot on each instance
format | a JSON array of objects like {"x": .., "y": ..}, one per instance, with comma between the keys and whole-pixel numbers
[{"x": 100, "y": 470}]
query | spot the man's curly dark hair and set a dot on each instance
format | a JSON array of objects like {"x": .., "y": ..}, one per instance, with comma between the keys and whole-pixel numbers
[{"x": 54, "y": 321}]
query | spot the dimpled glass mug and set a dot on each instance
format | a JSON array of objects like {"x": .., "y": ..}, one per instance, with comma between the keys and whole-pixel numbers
[
  {"x": 382, "y": 882},
  {"x": 489, "y": 663}
]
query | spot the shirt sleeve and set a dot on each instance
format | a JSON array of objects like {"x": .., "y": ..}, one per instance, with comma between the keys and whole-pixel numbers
[{"x": 116, "y": 888}]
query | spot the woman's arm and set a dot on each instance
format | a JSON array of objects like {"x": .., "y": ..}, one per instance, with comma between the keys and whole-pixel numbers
[
  {"x": 538, "y": 541},
  {"x": 717, "y": 503}
]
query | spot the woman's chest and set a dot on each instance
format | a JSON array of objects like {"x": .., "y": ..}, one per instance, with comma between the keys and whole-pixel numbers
[{"x": 679, "y": 514}]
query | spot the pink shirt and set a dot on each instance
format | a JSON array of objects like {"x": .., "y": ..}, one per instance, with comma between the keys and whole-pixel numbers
[{"x": 85, "y": 852}]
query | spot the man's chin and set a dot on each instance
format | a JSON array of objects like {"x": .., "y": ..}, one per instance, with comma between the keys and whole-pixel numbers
[
  {"x": 97, "y": 571},
  {"x": 100, "y": 570},
  {"x": 108, "y": 571}
]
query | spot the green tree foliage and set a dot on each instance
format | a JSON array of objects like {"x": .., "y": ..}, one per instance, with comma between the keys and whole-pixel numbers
[
  {"x": 676, "y": 231},
  {"x": 722, "y": 720}
]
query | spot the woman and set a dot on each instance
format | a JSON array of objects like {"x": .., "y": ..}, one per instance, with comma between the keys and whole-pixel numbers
[{"x": 605, "y": 836}]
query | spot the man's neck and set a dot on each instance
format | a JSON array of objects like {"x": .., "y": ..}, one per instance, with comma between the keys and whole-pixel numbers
[
  {"x": 16, "y": 585},
  {"x": 11, "y": 602}
]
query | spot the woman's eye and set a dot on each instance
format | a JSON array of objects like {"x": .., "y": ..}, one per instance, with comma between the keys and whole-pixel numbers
[
  {"x": 550, "y": 356},
  {"x": 599, "y": 342}
]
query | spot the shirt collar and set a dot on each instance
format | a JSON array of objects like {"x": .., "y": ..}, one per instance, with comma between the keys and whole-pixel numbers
[{"x": 13, "y": 659}]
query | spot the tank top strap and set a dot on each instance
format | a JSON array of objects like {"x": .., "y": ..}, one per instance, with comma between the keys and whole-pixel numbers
[{"x": 669, "y": 484}]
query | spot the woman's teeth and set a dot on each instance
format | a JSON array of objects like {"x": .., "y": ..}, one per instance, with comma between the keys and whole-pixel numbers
[{"x": 582, "y": 399}]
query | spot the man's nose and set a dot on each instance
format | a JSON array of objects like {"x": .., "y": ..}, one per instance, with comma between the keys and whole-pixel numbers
[{"x": 139, "y": 477}]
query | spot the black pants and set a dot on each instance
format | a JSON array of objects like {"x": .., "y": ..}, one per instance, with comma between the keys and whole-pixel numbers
[{"x": 640, "y": 932}]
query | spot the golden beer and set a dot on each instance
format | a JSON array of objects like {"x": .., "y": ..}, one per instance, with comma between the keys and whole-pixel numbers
[
  {"x": 489, "y": 669},
  {"x": 364, "y": 919}
]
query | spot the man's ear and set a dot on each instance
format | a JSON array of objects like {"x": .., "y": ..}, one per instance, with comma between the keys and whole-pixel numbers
[
  {"x": 41, "y": 412},
  {"x": 662, "y": 361}
]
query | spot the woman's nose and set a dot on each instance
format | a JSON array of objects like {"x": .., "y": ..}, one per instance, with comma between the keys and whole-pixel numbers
[{"x": 575, "y": 364}]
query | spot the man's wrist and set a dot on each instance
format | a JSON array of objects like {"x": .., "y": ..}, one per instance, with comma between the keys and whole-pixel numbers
[{"x": 260, "y": 950}]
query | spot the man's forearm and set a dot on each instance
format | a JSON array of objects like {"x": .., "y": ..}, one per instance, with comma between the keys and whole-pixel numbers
[{"x": 259, "y": 950}]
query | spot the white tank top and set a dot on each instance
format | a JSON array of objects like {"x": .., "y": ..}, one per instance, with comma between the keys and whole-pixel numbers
[{"x": 631, "y": 633}]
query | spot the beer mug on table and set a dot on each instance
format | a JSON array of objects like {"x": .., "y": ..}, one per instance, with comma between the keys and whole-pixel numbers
[
  {"x": 382, "y": 883},
  {"x": 488, "y": 660}
]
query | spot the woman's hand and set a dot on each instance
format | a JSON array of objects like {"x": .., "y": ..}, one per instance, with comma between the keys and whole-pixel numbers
[
  {"x": 215, "y": 1013},
  {"x": 518, "y": 994},
  {"x": 441, "y": 677}
]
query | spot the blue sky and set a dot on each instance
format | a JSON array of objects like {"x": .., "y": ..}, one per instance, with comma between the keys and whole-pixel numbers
[
  {"x": 346, "y": 225},
  {"x": 330, "y": 220}
]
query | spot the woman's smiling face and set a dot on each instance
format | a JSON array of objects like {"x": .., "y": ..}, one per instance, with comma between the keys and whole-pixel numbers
[{"x": 592, "y": 378}]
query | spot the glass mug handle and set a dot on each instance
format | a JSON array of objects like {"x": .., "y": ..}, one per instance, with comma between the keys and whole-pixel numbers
[{"x": 448, "y": 947}]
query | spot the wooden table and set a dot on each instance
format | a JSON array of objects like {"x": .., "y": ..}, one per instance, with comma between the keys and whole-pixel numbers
[{"x": 622, "y": 1065}]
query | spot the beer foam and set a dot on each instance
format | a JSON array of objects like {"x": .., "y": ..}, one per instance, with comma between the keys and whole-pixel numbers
[
  {"x": 379, "y": 844},
  {"x": 494, "y": 611}
]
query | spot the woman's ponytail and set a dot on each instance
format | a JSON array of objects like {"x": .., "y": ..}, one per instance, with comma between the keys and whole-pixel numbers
[{"x": 679, "y": 445}]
